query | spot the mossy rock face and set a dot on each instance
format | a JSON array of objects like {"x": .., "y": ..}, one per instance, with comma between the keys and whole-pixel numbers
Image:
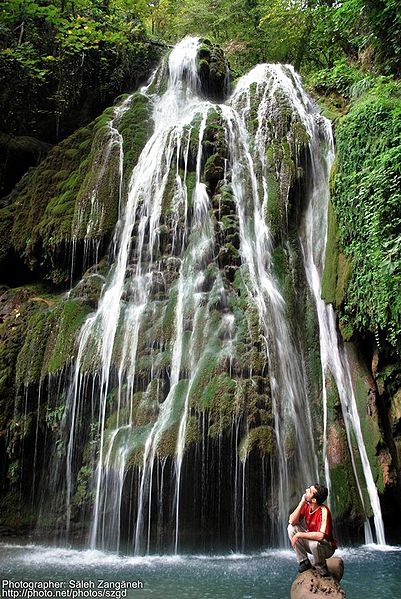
[
  {"x": 135, "y": 126},
  {"x": 330, "y": 274},
  {"x": 50, "y": 341},
  {"x": 15, "y": 307},
  {"x": 365, "y": 195},
  {"x": 73, "y": 196},
  {"x": 281, "y": 141},
  {"x": 43, "y": 203},
  {"x": 366, "y": 398},
  {"x": 89, "y": 288},
  {"x": 214, "y": 169},
  {"x": 344, "y": 495},
  {"x": 24, "y": 324},
  {"x": 20, "y": 410},
  {"x": 167, "y": 444},
  {"x": 337, "y": 268},
  {"x": 213, "y": 69},
  {"x": 261, "y": 438},
  {"x": 6, "y": 223},
  {"x": 347, "y": 501}
]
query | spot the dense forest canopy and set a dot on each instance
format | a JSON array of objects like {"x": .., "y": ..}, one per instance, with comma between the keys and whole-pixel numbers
[{"x": 60, "y": 46}]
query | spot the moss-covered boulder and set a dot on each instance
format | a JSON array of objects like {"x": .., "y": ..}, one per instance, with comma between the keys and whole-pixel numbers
[{"x": 213, "y": 70}]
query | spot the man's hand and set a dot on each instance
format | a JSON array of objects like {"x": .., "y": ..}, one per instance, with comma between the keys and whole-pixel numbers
[
  {"x": 294, "y": 539},
  {"x": 295, "y": 516}
]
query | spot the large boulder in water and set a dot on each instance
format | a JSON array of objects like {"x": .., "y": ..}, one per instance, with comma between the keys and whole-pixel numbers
[{"x": 310, "y": 585}]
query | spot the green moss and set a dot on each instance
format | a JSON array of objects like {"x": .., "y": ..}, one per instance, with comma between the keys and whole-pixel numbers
[
  {"x": 31, "y": 355},
  {"x": 169, "y": 316},
  {"x": 82, "y": 494},
  {"x": 371, "y": 433},
  {"x": 214, "y": 169},
  {"x": 135, "y": 126},
  {"x": 193, "y": 433},
  {"x": 190, "y": 183},
  {"x": 346, "y": 329},
  {"x": 261, "y": 438},
  {"x": 333, "y": 398},
  {"x": 273, "y": 207},
  {"x": 121, "y": 416},
  {"x": 96, "y": 219},
  {"x": 74, "y": 193},
  {"x": 43, "y": 202},
  {"x": 218, "y": 395},
  {"x": 167, "y": 444},
  {"x": 330, "y": 273},
  {"x": 137, "y": 440},
  {"x": 365, "y": 199},
  {"x": 313, "y": 361},
  {"x": 60, "y": 350}
]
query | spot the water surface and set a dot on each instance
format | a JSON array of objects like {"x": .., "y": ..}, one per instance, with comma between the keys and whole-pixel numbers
[{"x": 370, "y": 572}]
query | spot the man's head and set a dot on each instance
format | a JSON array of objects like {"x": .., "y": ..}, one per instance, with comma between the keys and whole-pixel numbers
[
  {"x": 321, "y": 493},
  {"x": 316, "y": 493}
]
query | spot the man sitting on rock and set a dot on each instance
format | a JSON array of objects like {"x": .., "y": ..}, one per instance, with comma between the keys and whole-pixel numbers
[{"x": 318, "y": 538}]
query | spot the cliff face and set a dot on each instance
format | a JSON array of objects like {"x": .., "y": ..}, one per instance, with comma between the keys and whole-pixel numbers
[
  {"x": 172, "y": 407},
  {"x": 363, "y": 263}
]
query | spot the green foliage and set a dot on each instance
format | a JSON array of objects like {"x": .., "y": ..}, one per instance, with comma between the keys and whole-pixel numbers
[
  {"x": 54, "y": 416},
  {"x": 384, "y": 20},
  {"x": 341, "y": 77},
  {"x": 53, "y": 56},
  {"x": 367, "y": 203}
]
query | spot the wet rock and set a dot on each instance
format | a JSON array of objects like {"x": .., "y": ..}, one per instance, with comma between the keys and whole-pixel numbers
[
  {"x": 213, "y": 69},
  {"x": 335, "y": 566},
  {"x": 89, "y": 289},
  {"x": 310, "y": 584},
  {"x": 229, "y": 272},
  {"x": 214, "y": 170}
]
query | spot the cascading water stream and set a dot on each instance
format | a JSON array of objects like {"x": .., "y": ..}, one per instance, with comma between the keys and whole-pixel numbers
[
  {"x": 88, "y": 204},
  {"x": 333, "y": 355},
  {"x": 288, "y": 384},
  {"x": 108, "y": 359}
]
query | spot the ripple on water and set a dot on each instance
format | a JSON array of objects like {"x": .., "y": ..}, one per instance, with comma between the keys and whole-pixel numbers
[{"x": 371, "y": 572}]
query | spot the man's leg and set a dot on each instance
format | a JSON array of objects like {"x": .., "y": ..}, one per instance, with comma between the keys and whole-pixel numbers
[
  {"x": 321, "y": 552},
  {"x": 301, "y": 547}
]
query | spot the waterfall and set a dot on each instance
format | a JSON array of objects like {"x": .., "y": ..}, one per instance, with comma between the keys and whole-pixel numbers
[
  {"x": 165, "y": 397},
  {"x": 288, "y": 384},
  {"x": 333, "y": 354}
]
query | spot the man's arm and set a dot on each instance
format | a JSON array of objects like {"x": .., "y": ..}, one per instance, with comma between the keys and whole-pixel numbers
[
  {"x": 311, "y": 536},
  {"x": 295, "y": 517}
]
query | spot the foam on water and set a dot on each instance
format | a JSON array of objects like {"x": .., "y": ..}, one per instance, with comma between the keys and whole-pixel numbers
[{"x": 371, "y": 571}]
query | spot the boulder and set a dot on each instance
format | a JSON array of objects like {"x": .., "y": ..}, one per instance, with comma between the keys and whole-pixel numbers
[
  {"x": 310, "y": 585},
  {"x": 335, "y": 566}
]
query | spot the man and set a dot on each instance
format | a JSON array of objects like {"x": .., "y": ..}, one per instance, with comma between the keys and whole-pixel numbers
[{"x": 318, "y": 538}]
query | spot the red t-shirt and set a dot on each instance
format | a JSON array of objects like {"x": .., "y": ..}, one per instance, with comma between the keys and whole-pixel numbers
[{"x": 319, "y": 521}]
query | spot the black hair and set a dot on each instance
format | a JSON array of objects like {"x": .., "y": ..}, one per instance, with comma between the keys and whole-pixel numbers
[{"x": 321, "y": 493}]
